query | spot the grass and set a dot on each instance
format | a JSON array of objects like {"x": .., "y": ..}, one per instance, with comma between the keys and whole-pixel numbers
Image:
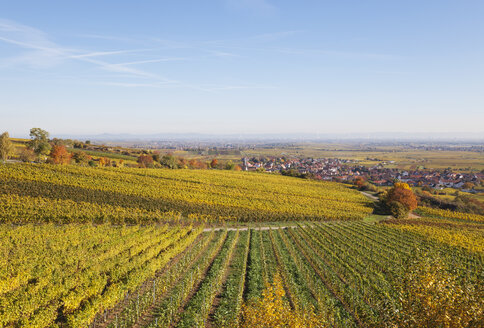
[
  {"x": 97, "y": 153},
  {"x": 375, "y": 218}
]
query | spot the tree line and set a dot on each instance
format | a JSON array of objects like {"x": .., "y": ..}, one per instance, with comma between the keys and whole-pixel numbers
[{"x": 40, "y": 148}]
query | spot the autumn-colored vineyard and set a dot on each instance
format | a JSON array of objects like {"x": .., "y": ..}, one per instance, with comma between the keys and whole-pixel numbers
[
  {"x": 39, "y": 193},
  {"x": 67, "y": 274},
  {"x": 343, "y": 274},
  {"x": 448, "y": 214}
]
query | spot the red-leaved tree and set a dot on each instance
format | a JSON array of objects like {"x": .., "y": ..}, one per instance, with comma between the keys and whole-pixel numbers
[{"x": 60, "y": 155}]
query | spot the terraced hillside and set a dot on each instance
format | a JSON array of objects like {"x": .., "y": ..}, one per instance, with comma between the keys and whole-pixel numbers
[{"x": 39, "y": 193}]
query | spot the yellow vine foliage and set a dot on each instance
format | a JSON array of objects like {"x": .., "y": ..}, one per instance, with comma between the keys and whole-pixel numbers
[
  {"x": 437, "y": 212},
  {"x": 469, "y": 239},
  {"x": 273, "y": 311},
  {"x": 432, "y": 297},
  {"x": 214, "y": 194}
]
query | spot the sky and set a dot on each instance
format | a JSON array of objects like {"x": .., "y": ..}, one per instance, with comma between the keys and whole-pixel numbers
[{"x": 241, "y": 66}]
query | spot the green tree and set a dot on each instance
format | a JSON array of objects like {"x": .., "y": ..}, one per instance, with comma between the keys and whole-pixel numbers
[
  {"x": 81, "y": 157},
  {"x": 169, "y": 161},
  {"x": 230, "y": 166},
  {"x": 39, "y": 141},
  {"x": 6, "y": 146}
]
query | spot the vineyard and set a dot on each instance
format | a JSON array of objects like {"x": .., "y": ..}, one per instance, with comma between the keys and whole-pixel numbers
[
  {"x": 346, "y": 273},
  {"x": 462, "y": 230},
  {"x": 121, "y": 247},
  {"x": 62, "y": 194}
]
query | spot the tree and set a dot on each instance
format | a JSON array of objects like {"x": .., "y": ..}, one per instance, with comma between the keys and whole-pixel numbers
[
  {"x": 402, "y": 185},
  {"x": 104, "y": 161},
  {"x": 468, "y": 185},
  {"x": 156, "y": 156},
  {"x": 402, "y": 193},
  {"x": 6, "y": 146},
  {"x": 398, "y": 210},
  {"x": 39, "y": 142},
  {"x": 359, "y": 182},
  {"x": 230, "y": 166},
  {"x": 145, "y": 161},
  {"x": 169, "y": 161},
  {"x": 60, "y": 155},
  {"x": 214, "y": 163},
  {"x": 27, "y": 155},
  {"x": 192, "y": 163},
  {"x": 80, "y": 157}
]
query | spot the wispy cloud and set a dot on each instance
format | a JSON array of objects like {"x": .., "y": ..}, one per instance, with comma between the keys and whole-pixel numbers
[
  {"x": 40, "y": 51},
  {"x": 47, "y": 52},
  {"x": 106, "y": 53}
]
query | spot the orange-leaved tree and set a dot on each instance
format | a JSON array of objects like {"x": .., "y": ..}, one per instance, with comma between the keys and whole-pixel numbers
[
  {"x": 359, "y": 182},
  {"x": 402, "y": 193},
  {"x": 400, "y": 200},
  {"x": 60, "y": 155},
  {"x": 214, "y": 163}
]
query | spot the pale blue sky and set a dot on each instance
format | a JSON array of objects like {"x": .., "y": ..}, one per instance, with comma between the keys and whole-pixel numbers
[{"x": 241, "y": 66}]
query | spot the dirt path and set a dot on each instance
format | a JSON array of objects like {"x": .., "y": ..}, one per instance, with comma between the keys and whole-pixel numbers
[
  {"x": 369, "y": 195},
  {"x": 247, "y": 228}
]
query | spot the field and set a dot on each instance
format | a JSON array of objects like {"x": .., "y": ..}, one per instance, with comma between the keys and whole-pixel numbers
[
  {"x": 373, "y": 154},
  {"x": 39, "y": 193},
  {"x": 348, "y": 273}
]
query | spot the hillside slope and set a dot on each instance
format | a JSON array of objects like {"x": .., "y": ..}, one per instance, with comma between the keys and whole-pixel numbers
[{"x": 33, "y": 193}]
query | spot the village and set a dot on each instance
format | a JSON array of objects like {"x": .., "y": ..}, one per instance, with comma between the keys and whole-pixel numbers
[{"x": 343, "y": 170}]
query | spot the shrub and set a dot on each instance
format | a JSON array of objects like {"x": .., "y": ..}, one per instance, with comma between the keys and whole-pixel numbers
[{"x": 27, "y": 155}]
